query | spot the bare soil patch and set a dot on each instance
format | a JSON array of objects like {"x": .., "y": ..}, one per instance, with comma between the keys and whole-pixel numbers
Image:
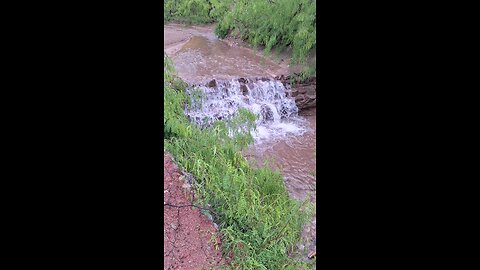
[{"x": 190, "y": 239}]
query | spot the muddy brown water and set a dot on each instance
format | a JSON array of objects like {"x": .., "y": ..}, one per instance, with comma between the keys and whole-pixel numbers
[
  {"x": 295, "y": 157},
  {"x": 199, "y": 56}
]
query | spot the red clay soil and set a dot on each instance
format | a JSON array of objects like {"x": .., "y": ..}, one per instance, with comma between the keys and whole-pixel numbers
[{"x": 187, "y": 232}]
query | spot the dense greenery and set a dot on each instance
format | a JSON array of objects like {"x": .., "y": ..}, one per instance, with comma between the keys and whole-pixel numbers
[
  {"x": 279, "y": 24},
  {"x": 258, "y": 220}
]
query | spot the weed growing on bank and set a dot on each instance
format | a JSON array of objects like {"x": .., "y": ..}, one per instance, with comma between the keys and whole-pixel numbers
[
  {"x": 278, "y": 24},
  {"x": 258, "y": 220}
]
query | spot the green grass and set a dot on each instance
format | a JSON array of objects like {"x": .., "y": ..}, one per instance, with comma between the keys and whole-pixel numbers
[{"x": 258, "y": 221}]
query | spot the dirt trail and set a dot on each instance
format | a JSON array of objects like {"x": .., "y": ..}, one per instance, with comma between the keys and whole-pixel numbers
[{"x": 190, "y": 238}]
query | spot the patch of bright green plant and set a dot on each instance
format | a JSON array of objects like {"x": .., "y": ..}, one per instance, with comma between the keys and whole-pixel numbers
[{"x": 257, "y": 219}]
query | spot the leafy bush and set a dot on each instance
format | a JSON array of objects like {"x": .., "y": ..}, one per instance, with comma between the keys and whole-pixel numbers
[
  {"x": 189, "y": 11},
  {"x": 258, "y": 221},
  {"x": 279, "y": 23}
]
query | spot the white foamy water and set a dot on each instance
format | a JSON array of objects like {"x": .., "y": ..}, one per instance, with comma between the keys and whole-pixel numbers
[{"x": 277, "y": 114}]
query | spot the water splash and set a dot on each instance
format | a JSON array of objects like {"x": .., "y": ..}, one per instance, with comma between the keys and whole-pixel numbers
[{"x": 277, "y": 113}]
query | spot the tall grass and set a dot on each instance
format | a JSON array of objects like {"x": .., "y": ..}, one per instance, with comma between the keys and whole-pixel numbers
[{"x": 258, "y": 221}]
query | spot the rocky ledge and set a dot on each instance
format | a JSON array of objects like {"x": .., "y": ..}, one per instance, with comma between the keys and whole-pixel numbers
[{"x": 304, "y": 93}]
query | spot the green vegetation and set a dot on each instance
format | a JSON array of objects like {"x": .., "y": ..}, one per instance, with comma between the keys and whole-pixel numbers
[
  {"x": 273, "y": 24},
  {"x": 258, "y": 221},
  {"x": 190, "y": 11}
]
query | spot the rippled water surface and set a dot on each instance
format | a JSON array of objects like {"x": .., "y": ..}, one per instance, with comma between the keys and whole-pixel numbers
[
  {"x": 199, "y": 56},
  {"x": 295, "y": 156}
]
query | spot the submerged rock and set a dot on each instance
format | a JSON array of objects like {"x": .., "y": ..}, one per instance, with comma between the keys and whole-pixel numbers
[
  {"x": 244, "y": 89},
  {"x": 266, "y": 113},
  {"x": 212, "y": 83}
]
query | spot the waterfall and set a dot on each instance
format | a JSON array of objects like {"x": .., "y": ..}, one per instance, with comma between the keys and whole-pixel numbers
[{"x": 277, "y": 113}]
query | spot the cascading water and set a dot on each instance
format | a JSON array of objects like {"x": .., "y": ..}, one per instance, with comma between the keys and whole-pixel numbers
[{"x": 277, "y": 114}]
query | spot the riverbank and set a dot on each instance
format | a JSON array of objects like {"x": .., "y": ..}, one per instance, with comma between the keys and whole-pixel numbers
[{"x": 187, "y": 233}]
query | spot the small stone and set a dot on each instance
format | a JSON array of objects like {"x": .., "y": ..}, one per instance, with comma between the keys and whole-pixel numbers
[
  {"x": 244, "y": 89},
  {"x": 212, "y": 83}
]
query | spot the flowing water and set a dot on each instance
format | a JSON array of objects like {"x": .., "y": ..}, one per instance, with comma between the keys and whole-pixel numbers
[
  {"x": 276, "y": 113},
  {"x": 295, "y": 156},
  {"x": 230, "y": 78},
  {"x": 200, "y": 56}
]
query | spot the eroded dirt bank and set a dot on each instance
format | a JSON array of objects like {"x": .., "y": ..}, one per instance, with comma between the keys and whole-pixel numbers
[{"x": 187, "y": 232}]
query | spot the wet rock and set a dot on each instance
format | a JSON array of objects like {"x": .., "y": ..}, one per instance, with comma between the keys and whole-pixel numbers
[
  {"x": 244, "y": 89},
  {"x": 287, "y": 109},
  {"x": 266, "y": 113},
  {"x": 301, "y": 90},
  {"x": 305, "y": 96},
  {"x": 311, "y": 89},
  {"x": 212, "y": 83},
  {"x": 231, "y": 103},
  {"x": 305, "y": 101}
]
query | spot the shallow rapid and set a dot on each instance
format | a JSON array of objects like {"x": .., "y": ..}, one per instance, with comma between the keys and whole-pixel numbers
[{"x": 277, "y": 114}]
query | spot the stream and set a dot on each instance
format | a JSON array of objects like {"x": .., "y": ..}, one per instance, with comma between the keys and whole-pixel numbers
[{"x": 233, "y": 77}]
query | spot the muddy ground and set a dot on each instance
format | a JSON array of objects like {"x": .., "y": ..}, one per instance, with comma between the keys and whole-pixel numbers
[{"x": 190, "y": 238}]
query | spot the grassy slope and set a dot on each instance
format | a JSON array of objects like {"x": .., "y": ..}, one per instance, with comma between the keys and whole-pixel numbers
[{"x": 257, "y": 218}]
